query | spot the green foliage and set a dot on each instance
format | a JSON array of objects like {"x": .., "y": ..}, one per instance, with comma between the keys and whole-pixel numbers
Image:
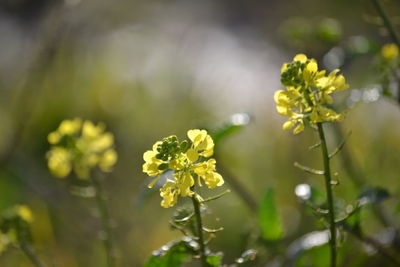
[
  {"x": 268, "y": 217},
  {"x": 237, "y": 122},
  {"x": 215, "y": 259},
  {"x": 314, "y": 257},
  {"x": 173, "y": 254},
  {"x": 329, "y": 30}
]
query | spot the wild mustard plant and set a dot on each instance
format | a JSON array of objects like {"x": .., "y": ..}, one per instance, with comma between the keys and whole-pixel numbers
[
  {"x": 190, "y": 162},
  {"x": 305, "y": 101},
  {"x": 15, "y": 231},
  {"x": 79, "y": 147},
  {"x": 308, "y": 92}
]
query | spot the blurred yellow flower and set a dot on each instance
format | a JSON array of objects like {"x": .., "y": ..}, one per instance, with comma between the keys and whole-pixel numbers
[
  {"x": 80, "y": 146},
  {"x": 390, "y": 51},
  {"x": 24, "y": 212},
  {"x": 307, "y": 93},
  {"x": 188, "y": 161}
]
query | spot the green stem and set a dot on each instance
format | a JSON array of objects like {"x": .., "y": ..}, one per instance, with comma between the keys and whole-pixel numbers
[
  {"x": 106, "y": 222},
  {"x": 30, "y": 253},
  {"x": 199, "y": 224},
  {"x": 386, "y": 20},
  {"x": 328, "y": 186},
  {"x": 389, "y": 26}
]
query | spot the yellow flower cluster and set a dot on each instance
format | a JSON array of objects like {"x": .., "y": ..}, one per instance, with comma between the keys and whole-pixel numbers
[
  {"x": 80, "y": 146},
  {"x": 307, "y": 93},
  {"x": 189, "y": 161},
  {"x": 390, "y": 51}
]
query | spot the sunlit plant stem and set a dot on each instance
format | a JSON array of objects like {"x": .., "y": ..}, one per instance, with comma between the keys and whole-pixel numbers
[
  {"x": 328, "y": 186},
  {"x": 199, "y": 225},
  {"x": 105, "y": 221},
  {"x": 29, "y": 252}
]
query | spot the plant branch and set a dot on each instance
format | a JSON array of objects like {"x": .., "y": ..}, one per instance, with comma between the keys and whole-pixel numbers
[
  {"x": 105, "y": 221},
  {"x": 386, "y": 20},
  {"x": 389, "y": 26},
  {"x": 199, "y": 224},
  {"x": 30, "y": 253},
  {"x": 328, "y": 186}
]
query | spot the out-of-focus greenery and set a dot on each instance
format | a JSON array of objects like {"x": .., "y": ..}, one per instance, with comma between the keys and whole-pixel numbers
[{"x": 149, "y": 69}]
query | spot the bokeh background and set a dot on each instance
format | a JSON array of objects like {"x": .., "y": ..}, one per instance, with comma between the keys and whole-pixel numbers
[{"x": 149, "y": 69}]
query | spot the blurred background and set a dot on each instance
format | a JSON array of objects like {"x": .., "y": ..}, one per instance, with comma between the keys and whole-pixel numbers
[{"x": 149, "y": 69}]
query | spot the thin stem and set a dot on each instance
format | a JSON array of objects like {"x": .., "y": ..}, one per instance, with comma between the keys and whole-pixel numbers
[
  {"x": 30, "y": 253},
  {"x": 386, "y": 20},
  {"x": 328, "y": 186},
  {"x": 389, "y": 26},
  {"x": 106, "y": 222},
  {"x": 199, "y": 224}
]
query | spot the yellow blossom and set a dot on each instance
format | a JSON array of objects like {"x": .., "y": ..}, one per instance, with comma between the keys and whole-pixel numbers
[
  {"x": 307, "y": 93},
  {"x": 187, "y": 160},
  {"x": 59, "y": 161},
  {"x": 202, "y": 142},
  {"x": 79, "y": 147},
  {"x": 390, "y": 51},
  {"x": 24, "y": 212},
  {"x": 169, "y": 192}
]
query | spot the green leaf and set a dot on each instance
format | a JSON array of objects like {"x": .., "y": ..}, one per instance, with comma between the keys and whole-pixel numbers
[
  {"x": 215, "y": 259},
  {"x": 316, "y": 257},
  {"x": 236, "y": 122},
  {"x": 268, "y": 217},
  {"x": 173, "y": 254},
  {"x": 373, "y": 195}
]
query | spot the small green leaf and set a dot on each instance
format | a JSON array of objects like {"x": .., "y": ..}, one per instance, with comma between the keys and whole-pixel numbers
[
  {"x": 173, "y": 254},
  {"x": 236, "y": 122},
  {"x": 268, "y": 217},
  {"x": 215, "y": 259},
  {"x": 373, "y": 195}
]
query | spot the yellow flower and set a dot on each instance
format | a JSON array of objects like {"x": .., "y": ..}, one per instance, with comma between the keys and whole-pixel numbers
[
  {"x": 151, "y": 162},
  {"x": 24, "y": 212},
  {"x": 202, "y": 143},
  {"x": 169, "y": 192},
  {"x": 59, "y": 161},
  {"x": 187, "y": 160},
  {"x": 80, "y": 146},
  {"x": 307, "y": 93},
  {"x": 108, "y": 160},
  {"x": 390, "y": 51},
  {"x": 184, "y": 182}
]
